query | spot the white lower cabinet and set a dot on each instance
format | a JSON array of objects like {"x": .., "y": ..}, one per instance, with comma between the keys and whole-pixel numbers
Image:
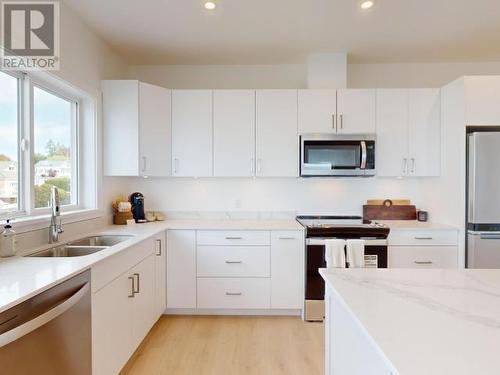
[
  {"x": 287, "y": 270},
  {"x": 144, "y": 301},
  {"x": 233, "y": 261},
  {"x": 235, "y": 269},
  {"x": 181, "y": 269},
  {"x": 422, "y": 257},
  {"x": 112, "y": 321},
  {"x": 123, "y": 313},
  {"x": 160, "y": 275},
  {"x": 233, "y": 293},
  {"x": 423, "y": 249}
]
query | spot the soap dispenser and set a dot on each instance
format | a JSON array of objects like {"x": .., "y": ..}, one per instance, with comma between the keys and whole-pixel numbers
[{"x": 7, "y": 241}]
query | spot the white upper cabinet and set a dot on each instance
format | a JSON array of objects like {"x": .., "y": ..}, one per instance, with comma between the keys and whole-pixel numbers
[
  {"x": 356, "y": 111},
  {"x": 234, "y": 133},
  {"x": 347, "y": 111},
  {"x": 317, "y": 111},
  {"x": 392, "y": 132},
  {"x": 192, "y": 133},
  {"x": 155, "y": 130},
  {"x": 424, "y": 132},
  {"x": 276, "y": 133},
  {"x": 136, "y": 129},
  {"x": 408, "y": 132}
]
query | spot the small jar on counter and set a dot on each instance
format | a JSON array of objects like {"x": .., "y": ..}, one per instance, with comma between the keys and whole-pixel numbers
[{"x": 7, "y": 241}]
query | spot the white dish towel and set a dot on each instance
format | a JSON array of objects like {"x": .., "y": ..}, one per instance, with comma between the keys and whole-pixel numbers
[
  {"x": 355, "y": 250},
  {"x": 334, "y": 253}
]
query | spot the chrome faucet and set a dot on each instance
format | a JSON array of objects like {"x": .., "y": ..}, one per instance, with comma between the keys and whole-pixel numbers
[{"x": 55, "y": 205}]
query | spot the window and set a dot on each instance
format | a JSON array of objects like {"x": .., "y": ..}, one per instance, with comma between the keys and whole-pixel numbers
[
  {"x": 38, "y": 145},
  {"x": 9, "y": 149},
  {"x": 53, "y": 147}
]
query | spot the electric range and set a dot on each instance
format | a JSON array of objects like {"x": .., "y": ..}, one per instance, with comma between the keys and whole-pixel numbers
[{"x": 321, "y": 228}]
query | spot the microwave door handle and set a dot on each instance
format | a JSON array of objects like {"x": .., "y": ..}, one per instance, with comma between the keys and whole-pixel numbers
[{"x": 363, "y": 155}]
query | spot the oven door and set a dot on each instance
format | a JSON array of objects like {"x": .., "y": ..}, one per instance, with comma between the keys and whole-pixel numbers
[
  {"x": 375, "y": 257},
  {"x": 334, "y": 155}
]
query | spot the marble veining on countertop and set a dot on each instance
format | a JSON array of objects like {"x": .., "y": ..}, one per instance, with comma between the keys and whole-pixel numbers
[{"x": 427, "y": 321}]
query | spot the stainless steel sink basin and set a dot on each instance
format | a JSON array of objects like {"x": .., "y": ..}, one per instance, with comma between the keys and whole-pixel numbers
[
  {"x": 104, "y": 240},
  {"x": 82, "y": 247},
  {"x": 68, "y": 251}
]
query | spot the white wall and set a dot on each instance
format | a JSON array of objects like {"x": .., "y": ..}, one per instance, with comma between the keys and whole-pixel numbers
[
  {"x": 222, "y": 76},
  {"x": 326, "y": 195},
  {"x": 295, "y": 75},
  {"x": 414, "y": 75},
  {"x": 85, "y": 61}
]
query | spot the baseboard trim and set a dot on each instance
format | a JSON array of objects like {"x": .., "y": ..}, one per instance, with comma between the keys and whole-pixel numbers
[{"x": 248, "y": 312}]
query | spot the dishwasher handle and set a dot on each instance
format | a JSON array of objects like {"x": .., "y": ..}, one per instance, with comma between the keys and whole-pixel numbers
[{"x": 30, "y": 326}]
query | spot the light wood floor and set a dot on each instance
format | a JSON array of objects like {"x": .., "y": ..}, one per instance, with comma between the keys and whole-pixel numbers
[{"x": 218, "y": 345}]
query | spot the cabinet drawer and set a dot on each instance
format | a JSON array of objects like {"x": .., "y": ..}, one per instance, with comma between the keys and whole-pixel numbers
[
  {"x": 233, "y": 261},
  {"x": 232, "y": 293},
  {"x": 233, "y": 237},
  {"x": 422, "y": 257},
  {"x": 423, "y": 237}
]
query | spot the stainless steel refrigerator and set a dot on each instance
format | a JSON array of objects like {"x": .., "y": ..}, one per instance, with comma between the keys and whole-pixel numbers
[{"x": 483, "y": 205}]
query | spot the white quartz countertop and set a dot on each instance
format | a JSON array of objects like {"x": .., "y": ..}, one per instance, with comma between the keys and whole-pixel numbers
[
  {"x": 427, "y": 321},
  {"x": 24, "y": 277},
  {"x": 415, "y": 225},
  {"x": 233, "y": 224}
]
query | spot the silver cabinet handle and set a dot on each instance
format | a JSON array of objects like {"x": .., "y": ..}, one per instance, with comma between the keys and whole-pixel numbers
[
  {"x": 412, "y": 165},
  {"x": 138, "y": 281},
  {"x": 234, "y": 238},
  {"x": 259, "y": 165},
  {"x": 252, "y": 165},
  {"x": 422, "y": 262},
  {"x": 234, "y": 261},
  {"x": 133, "y": 287},
  {"x": 233, "y": 294},
  {"x": 405, "y": 165},
  {"x": 423, "y": 238},
  {"x": 144, "y": 164},
  {"x": 333, "y": 121},
  {"x": 158, "y": 242},
  {"x": 342, "y": 121},
  {"x": 287, "y": 238}
]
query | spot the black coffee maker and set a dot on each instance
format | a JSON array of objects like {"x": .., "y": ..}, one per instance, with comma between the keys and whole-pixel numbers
[{"x": 137, "y": 201}]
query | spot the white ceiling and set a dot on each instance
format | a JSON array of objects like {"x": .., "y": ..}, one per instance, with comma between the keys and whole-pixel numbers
[{"x": 284, "y": 31}]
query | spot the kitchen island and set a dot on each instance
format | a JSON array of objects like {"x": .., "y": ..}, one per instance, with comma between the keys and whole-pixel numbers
[{"x": 409, "y": 321}]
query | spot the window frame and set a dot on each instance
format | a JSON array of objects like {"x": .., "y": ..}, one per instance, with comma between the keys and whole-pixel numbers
[{"x": 25, "y": 138}]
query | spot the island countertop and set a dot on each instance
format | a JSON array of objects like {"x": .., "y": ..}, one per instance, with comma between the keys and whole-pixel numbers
[{"x": 426, "y": 321}]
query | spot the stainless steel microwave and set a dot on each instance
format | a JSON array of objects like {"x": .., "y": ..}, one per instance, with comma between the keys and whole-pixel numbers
[{"x": 323, "y": 155}]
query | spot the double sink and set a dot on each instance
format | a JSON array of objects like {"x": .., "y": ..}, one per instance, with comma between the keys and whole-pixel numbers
[{"x": 83, "y": 246}]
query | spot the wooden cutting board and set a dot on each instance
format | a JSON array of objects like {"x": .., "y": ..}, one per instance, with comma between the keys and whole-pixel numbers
[{"x": 400, "y": 212}]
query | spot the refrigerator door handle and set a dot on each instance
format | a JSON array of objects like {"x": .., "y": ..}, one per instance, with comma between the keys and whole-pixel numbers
[{"x": 472, "y": 177}]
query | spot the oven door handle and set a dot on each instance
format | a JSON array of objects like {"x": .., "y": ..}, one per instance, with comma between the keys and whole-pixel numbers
[
  {"x": 31, "y": 325},
  {"x": 368, "y": 242},
  {"x": 363, "y": 155}
]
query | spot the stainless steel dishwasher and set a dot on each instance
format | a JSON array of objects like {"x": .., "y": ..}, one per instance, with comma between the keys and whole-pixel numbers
[{"x": 49, "y": 333}]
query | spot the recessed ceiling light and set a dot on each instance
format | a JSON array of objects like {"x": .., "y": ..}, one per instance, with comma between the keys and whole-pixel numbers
[
  {"x": 367, "y": 4},
  {"x": 210, "y": 5}
]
